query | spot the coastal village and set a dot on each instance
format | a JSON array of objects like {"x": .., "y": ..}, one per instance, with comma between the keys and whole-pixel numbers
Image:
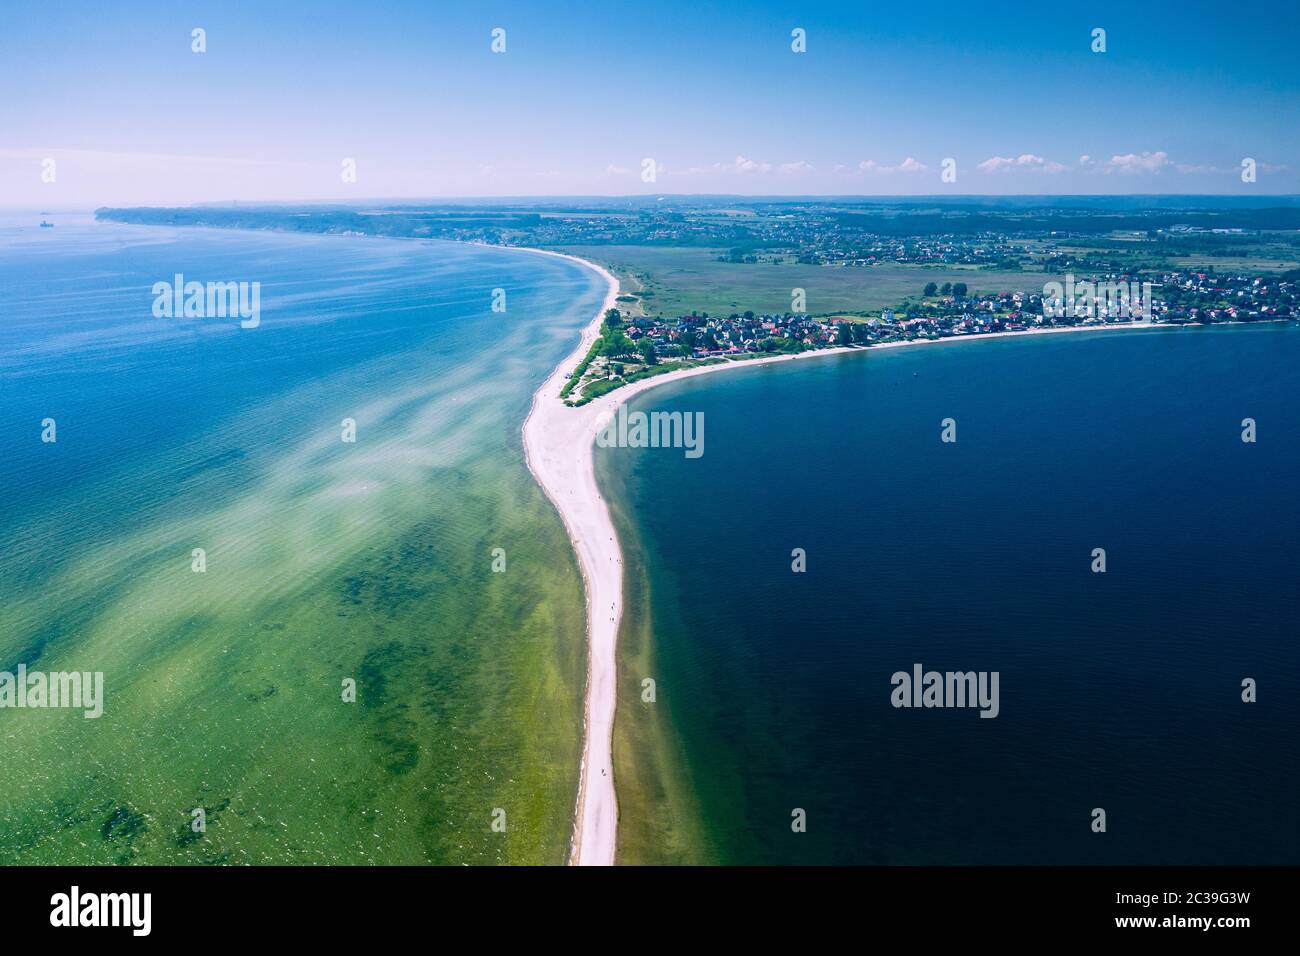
[{"x": 634, "y": 347}]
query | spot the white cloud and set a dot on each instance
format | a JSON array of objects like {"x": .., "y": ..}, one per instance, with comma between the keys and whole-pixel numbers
[
  {"x": 744, "y": 166},
  {"x": 1132, "y": 164},
  {"x": 908, "y": 165},
  {"x": 1136, "y": 164},
  {"x": 739, "y": 166},
  {"x": 1026, "y": 162}
]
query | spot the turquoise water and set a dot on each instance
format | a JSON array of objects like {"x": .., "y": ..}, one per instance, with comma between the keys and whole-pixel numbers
[
  {"x": 1118, "y": 691},
  {"x": 325, "y": 560}
]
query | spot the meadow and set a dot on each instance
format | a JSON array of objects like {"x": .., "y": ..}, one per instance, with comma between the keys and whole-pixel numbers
[{"x": 678, "y": 280}]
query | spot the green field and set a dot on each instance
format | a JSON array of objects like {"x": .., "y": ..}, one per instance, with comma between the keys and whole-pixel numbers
[
  {"x": 1268, "y": 253},
  {"x": 677, "y": 281}
]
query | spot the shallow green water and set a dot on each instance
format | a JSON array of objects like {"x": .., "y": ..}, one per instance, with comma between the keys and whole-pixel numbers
[{"x": 325, "y": 560}]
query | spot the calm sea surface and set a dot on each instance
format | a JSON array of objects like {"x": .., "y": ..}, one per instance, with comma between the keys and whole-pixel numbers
[
  {"x": 326, "y": 561},
  {"x": 1119, "y": 691}
]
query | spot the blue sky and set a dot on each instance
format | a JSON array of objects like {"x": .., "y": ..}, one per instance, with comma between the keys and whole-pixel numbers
[{"x": 585, "y": 92}]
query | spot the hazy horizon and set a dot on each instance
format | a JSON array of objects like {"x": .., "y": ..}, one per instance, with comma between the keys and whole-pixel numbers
[{"x": 1026, "y": 199}]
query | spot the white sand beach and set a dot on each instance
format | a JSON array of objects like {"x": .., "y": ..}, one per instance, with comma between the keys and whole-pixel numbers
[{"x": 559, "y": 443}]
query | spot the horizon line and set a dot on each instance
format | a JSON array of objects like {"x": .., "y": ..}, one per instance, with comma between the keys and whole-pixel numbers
[{"x": 652, "y": 197}]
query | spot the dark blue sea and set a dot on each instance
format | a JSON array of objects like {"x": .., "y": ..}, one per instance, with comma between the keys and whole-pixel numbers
[{"x": 1119, "y": 690}]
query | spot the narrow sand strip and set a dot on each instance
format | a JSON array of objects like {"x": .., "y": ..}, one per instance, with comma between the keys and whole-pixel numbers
[{"x": 559, "y": 444}]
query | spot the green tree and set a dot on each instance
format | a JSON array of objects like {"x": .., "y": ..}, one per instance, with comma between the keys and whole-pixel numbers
[
  {"x": 647, "y": 350},
  {"x": 930, "y": 289},
  {"x": 616, "y": 344},
  {"x": 959, "y": 289},
  {"x": 946, "y": 289},
  {"x": 844, "y": 334}
]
